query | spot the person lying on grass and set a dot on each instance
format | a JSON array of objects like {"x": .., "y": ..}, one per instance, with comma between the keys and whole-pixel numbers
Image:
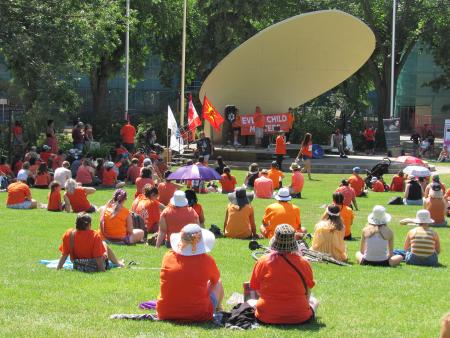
[
  {"x": 116, "y": 223},
  {"x": 283, "y": 279},
  {"x": 86, "y": 244},
  {"x": 377, "y": 241},
  {"x": 190, "y": 285}
]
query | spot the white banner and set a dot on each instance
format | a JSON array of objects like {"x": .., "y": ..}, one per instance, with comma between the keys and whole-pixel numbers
[{"x": 176, "y": 141}]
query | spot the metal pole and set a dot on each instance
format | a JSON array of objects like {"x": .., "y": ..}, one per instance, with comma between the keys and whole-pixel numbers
[
  {"x": 127, "y": 58},
  {"x": 394, "y": 7},
  {"x": 183, "y": 63}
]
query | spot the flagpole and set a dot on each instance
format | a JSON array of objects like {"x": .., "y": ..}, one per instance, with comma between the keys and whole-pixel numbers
[
  {"x": 127, "y": 59},
  {"x": 391, "y": 112},
  {"x": 183, "y": 62}
]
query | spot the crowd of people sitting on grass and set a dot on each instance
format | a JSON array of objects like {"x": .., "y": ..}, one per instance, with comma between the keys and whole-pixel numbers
[{"x": 164, "y": 215}]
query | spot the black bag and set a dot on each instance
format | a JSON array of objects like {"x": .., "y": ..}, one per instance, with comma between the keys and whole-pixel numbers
[{"x": 396, "y": 201}]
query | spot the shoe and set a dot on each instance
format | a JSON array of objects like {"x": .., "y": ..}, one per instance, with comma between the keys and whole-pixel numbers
[{"x": 236, "y": 144}]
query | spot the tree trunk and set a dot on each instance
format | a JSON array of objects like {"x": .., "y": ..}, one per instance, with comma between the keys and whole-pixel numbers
[{"x": 99, "y": 89}]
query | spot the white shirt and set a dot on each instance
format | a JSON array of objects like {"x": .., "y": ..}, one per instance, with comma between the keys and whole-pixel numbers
[
  {"x": 376, "y": 248},
  {"x": 62, "y": 175}
]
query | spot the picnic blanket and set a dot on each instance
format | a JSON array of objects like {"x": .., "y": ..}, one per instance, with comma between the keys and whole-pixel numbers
[{"x": 68, "y": 265}]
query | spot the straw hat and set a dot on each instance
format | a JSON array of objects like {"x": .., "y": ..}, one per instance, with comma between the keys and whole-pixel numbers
[
  {"x": 284, "y": 239},
  {"x": 240, "y": 197},
  {"x": 423, "y": 217},
  {"x": 379, "y": 216},
  {"x": 192, "y": 241},
  {"x": 294, "y": 166},
  {"x": 283, "y": 195}
]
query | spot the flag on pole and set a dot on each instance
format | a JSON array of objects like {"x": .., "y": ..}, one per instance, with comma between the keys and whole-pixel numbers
[
  {"x": 176, "y": 141},
  {"x": 211, "y": 114},
  {"x": 193, "y": 118}
]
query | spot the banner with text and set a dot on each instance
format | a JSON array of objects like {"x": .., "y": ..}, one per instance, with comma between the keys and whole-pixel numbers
[
  {"x": 392, "y": 132},
  {"x": 272, "y": 121},
  {"x": 447, "y": 134}
]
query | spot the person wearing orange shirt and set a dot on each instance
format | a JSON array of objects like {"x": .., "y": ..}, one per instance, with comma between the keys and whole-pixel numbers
[
  {"x": 54, "y": 197},
  {"x": 283, "y": 280},
  {"x": 116, "y": 223},
  {"x": 357, "y": 183},
  {"x": 133, "y": 171},
  {"x": 228, "y": 181},
  {"x": 297, "y": 181},
  {"x": 190, "y": 285},
  {"x": 19, "y": 196},
  {"x": 236, "y": 125},
  {"x": 291, "y": 120},
  {"x": 281, "y": 212},
  {"x": 377, "y": 185},
  {"x": 128, "y": 132},
  {"x": 347, "y": 215},
  {"x": 166, "y": 189},
  {"x": 75, "y": 197},
  {"x": 174, "y": 217},
  {"x": 43, "y": 178},
  {"x": 369, "y": 135},
  {"x": 349, "y": 194},
  {"x": 85, "y": 243},
  {"x": 306, "y": 153},
  {"x": 85, "y": 173},
  {"x": 263, "y": 186},
  {"x": 239, "y": 219},
  {"x": 276, "y": 175},
  {"x": 434, "y": 179},
  {"x": 193, "y": 203},
  {"x": 280, "y": 149},
  {"x": 258, "y": 121},
  {"x": 5, "y": 168},
  {"x": 149, "y": 208},
  {"x": 398, "y": 182},
  {"x": 109, "y": 177}
]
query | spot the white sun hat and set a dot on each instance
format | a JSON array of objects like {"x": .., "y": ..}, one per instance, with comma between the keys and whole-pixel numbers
[
  {"x": 283, "y": 195},
  {"x": 423, "y": 216},
  {"x": 179, "y": 199},
  {"x": 379, "y": 216},
  {"x": 192, "y": 240}
]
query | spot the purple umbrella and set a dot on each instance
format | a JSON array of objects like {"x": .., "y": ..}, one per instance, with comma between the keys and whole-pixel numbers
[{"x": 194, "y": 172}]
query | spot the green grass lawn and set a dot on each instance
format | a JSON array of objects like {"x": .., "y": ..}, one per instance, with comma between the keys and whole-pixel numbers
[{"x": 356, "y": 301}]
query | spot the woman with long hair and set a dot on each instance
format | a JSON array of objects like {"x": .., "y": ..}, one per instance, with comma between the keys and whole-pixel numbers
[
  {"x": 305, "y": 153},
  {"x": 193, "y": 203},
  {"x": 329, "y": 234},
  {"x": 228, "y": 181},
  {"x": 240, "y": 217},
  {"x": 116, "y": 223},
  {"x": 377, "y": 241},
  {"x": 43, "y": 178}
]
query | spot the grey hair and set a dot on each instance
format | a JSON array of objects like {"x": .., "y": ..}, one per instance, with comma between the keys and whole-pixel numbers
[{"x": 71, "y": 185}]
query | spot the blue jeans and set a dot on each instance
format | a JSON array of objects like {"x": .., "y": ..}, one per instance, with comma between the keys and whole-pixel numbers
[
  {"x": 413, "y": 202},
  {"x": 413, "y": 259}
]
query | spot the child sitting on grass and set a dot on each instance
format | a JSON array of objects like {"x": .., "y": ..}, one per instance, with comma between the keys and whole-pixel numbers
[{"x": 54, "y": 197}]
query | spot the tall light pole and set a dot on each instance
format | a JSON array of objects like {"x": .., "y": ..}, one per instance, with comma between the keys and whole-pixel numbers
[
  {"x": 391, "y": 111},
  {"x": 183, "y": 64},
  {"x": 127, "y": 58}
]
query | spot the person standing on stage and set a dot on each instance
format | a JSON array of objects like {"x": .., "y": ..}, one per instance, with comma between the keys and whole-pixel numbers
[
  {"x": 305, "y": 153},
  {"x": 291, "y": 119},
  {"x": 258, "y": 120},
  {"x": 204, "y": 147},
  {"x": 280, "y": 149},
  {"x": 128, "y": 132},
  {"x": 236, "y": 125}
]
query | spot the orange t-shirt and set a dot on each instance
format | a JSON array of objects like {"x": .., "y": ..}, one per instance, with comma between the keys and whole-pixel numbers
[
  {"x": 357, "y": 183},
  {"x": 258, "y": 120},
  {"x": 115, "y": 227},
  {"x": 397, "y": 184},
  {"x": 57, "y": 162},
  {"x": 228, "y": 184},
  {"x": 149, "y": 210},
  {"x": 17, "y": 131},
  {"x": 348, "y": 193},
  {"x": 78, "y": 200},
  {"x": 18, "y": 192},
  {"x": 263, "y": 187},
  {"x": 276, "y": 176},
  {"x": 283, "y": 298},
  {"x": 199, "y": 210},
  {"x": 176, "y": 218},
  {"x": 133, "y": 173},
  {"x": 184, "y": 287},
  {"x": 128, "y": 132},
  {"x": 109, "y": 177},
  {"x": 140, "y": 182},
  {"x": 307, "y": 150},
  {"x": 42, "y": 180},
  {"x": 86, "y": 244},
  {"x": 280, "y": 145},
  {"x": 34, "y": 168},
  {"x": 45, "y": 155},
  {"x": 6, "y": 169},
  {"x": 280, "y": 213},
  {"x": 297, "y": 181},
  {"x": 347, "y": 218},
  {"x": 54, "y": 201},
  {"x": 239, "y": 222},
  {"x": 378, "y": 186},
  {"x": 237, "y": 122},
  {"x": 84, "y": 175},
  {"x": 291, "y": 120},
  {"x": 437, "y": 209},
  {"x": 165, "y": 192}
]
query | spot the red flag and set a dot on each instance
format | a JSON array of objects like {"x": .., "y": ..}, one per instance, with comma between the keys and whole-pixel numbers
[
  {"x": 211, "y": 114},
  {"x": 193, "y": 118}
]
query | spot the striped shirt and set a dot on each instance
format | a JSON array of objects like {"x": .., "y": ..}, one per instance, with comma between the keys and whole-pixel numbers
[{"x": 423, "y": 242}]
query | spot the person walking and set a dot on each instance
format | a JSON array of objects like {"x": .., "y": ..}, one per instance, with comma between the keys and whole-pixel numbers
[
  {"x": 280, "y": 149},
  {"x": 306, "y": 154}
]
